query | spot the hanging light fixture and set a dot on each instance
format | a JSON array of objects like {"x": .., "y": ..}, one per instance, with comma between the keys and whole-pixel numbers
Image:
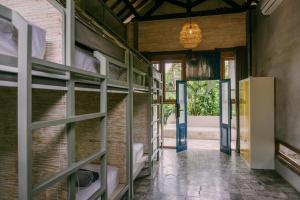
[{"x": 190, "y": 35}]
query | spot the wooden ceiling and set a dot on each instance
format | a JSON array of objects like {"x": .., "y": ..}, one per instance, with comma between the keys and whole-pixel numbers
[{"x": 145, "y": 10}]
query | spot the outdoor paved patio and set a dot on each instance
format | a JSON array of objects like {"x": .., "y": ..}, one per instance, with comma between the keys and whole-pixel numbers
[{"x": 198, "y": 144}]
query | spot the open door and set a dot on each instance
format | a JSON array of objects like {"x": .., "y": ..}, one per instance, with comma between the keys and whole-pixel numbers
[
  {"x": 181, "y": 116},
  {"x": 225, "y": 117}
]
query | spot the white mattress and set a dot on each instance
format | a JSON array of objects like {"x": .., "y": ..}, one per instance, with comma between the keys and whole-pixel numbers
[
  {"x": 9, "y": 40},
  {"x": 138, "y": 152},
  {"x": 84, "y": 60},
  {"x": 84, "y": 193},
  {"x": 9, "y": 46}
]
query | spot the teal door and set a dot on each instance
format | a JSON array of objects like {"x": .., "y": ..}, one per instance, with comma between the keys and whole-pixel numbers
[
  {"x": 225, "y": 116},
  {"x": 181, "y": 116}
]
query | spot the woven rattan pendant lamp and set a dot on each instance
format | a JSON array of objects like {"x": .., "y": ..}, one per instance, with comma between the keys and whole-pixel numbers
[{"x": 190, "y": 35}]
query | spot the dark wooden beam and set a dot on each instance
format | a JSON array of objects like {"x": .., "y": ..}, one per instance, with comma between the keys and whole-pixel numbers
[
  {"x": 178, "y": 3},
  {"x": 126, "y": 16},
  {"x": 157, "y": 4},
  {"x": 194, "y": 14},
  {"x": 197, "y": 2},
  {"x": 115, "y": 5},
  {"x": 131, "y": 8},
  {"x": 189, "y": 7},
  {"x": 247, "y": 4},
  {"x": 122, "y": 11},
  {"x": 232, "y": 3},
  {"x": 141, "y": 4}
]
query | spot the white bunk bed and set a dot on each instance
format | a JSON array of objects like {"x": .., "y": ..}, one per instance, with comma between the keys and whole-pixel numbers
[
  {"x": 87, "y": 72},
  {"x": 141, "y": 95},
  {"x": 9, "y": 46},
  {"x": 157, "y": 114},
  {"x": 139, "y": 159},
  {"x": 9, "y": 40},
  {"x": 90, "y": 71}
]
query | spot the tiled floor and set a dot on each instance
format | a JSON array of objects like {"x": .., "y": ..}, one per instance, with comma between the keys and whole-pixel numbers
[{"x": 209, "y": 174}]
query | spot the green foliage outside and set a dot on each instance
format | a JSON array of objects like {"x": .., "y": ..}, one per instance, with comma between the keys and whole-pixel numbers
[
  {"x": 168, "y": 110},
  {"x": 203, "y": 96},
  {"x": 203, "y": 99}
]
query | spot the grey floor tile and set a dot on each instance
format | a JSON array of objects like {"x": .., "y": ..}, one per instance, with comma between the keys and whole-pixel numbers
[{"x": 210, "y": 175}]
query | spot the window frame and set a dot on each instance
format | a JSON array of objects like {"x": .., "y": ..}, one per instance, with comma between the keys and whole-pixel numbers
[
  {"x": 161, "y": 60},
  {"x": 226, "y": 55},
  {"x": 164, "y": 62}
]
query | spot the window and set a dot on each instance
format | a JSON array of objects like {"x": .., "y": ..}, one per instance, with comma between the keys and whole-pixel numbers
[{"x": 172, "y": 72}]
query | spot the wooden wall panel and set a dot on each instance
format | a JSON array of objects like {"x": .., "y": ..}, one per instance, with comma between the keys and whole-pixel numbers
[{"x": 219, "y": 31}]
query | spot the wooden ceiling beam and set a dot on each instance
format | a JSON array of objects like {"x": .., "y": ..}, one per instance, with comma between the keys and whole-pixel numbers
[
  {"x": 197, "y": 2},
  {"x": 122, "y": 11},
  {"x": 131, "y": 8},
  {"x": 115, "y": 5},
  {"x": 188, "y": 6},
  {"x": 248, "y": 3},
  {"x": 157, "y": 4},
  {"x": 178, "y": 3},
  {"x": 219, "y": 11},
  {"x": 232, "y": 3},
  {"x": 141, "y": 4},
  {"x": 126, "y": 16}
]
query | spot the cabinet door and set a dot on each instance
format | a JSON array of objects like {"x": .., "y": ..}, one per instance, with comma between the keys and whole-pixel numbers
[{"x": 245, "y": 119}]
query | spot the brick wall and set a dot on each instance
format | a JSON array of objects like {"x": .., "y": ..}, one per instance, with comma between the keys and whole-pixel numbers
[
  {"x": 117, "y": 133},
  {"x": 88, "y": 135},
  {"x": 220, "y": 31},
  {"x": 47, "y": 17},
  {"x": 140, "y": 119},
  {"x": 49, "y": 147}
]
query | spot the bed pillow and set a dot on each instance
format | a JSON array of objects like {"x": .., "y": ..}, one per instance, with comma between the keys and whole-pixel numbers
[
  {"x": 85, "y": 178},
  {"x": 9, "y": 40}
]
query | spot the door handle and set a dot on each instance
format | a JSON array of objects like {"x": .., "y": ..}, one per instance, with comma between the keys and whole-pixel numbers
[{"x": 177, "y": 110}]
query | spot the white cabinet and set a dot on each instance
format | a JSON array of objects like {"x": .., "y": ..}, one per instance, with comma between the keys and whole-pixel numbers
[{"x": 257, "y": 122}]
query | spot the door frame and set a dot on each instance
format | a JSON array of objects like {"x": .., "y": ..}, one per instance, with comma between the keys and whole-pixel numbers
[{"x": 181, "y": 147}]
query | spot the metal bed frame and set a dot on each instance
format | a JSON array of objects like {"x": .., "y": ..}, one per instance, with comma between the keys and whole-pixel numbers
[
  {"x": 26, "y": 69},
  {"x": 157, "y": 89},
  {"x": 27, "y": 73}
]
